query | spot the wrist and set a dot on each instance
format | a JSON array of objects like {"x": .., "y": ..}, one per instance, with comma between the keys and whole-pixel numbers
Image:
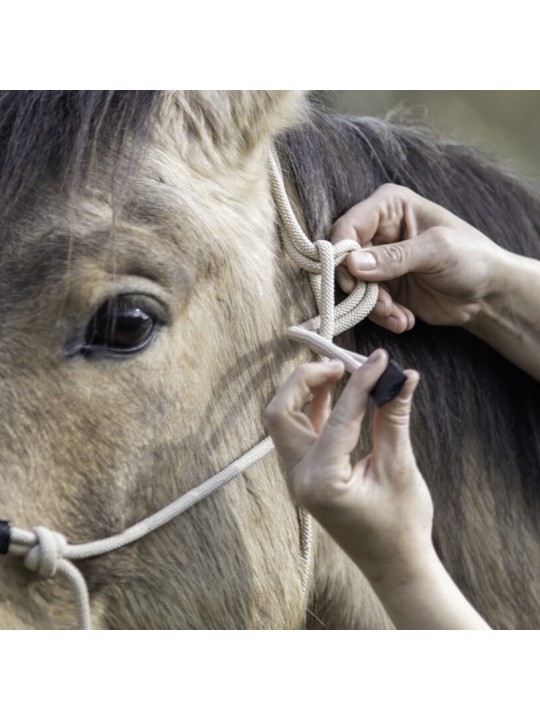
[
  {"x": 509, "y": 316},
  {"x": 508, "y": 273},
  {"x": 427, "y": 599},
  {"x": 404, "y": 570}
]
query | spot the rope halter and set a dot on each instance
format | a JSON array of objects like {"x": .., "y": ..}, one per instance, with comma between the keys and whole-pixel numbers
[
  {"x": 319, "y": 259},
  {"x": 47, "y": 553}
]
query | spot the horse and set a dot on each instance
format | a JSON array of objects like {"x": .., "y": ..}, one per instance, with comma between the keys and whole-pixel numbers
[{"x": 147, "y": 296}]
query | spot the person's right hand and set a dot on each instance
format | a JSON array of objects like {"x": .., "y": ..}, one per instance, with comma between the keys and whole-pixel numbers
[
  {"x": 378, "y": 509},
  {"x": 431, "y": 264}
]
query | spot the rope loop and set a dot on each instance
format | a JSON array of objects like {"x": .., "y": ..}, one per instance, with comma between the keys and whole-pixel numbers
[
  {"x": 319, "y": 259},
  {"x": 44, "y": 557}
]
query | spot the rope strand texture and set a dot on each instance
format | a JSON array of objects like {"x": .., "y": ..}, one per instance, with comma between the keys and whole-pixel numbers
[
  {"x": 48, "y": 553},
  {"x": 319, "y": 259}
]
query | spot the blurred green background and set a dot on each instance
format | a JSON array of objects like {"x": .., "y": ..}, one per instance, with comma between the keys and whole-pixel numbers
[{"x": 505, "y": 123}]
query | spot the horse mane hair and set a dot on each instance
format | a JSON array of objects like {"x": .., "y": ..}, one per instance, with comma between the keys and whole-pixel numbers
[
  {"x": 469, "y": 393},
  {"x": 470, "y": 397},
  {"x": 56, "y": 135}
]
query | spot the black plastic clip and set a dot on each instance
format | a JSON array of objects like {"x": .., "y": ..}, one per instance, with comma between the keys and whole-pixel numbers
[
  {"x": 5, "y": 536},
  {"x": 389, "y": 384}
]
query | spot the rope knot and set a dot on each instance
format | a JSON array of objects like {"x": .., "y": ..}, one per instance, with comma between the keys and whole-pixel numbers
[
  {"x": 44, "y": 556},
  {"x": 319, "y": 259}
]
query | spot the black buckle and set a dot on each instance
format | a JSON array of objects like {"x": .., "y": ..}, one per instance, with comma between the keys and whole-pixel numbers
[
  {"x": 389, "y": 384},
  {"x": 5, "y": 536}
]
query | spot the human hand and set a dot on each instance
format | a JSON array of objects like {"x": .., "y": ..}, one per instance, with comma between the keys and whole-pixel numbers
[
  {"x": 432, "y": 264},
  {"x": 379, "y": 510}
]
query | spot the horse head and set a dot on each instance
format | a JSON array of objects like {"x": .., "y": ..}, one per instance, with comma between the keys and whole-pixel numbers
[
  {"x": 146, "y": 299},
  {"x": 145, "y": 307}
]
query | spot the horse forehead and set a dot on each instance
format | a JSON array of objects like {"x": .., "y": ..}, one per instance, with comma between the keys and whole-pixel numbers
[
  {"x": 168, "y": 221},
  {"x": 148, "y": 235},
  {"x": 47, "y": 263}
]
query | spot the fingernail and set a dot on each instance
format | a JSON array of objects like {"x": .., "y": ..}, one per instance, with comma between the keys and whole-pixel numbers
[{"x": 363, "y": 260}]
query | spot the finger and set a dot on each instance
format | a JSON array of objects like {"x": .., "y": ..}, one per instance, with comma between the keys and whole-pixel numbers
[
  {"x": 344, "y": 229},
  {"x": 398, "y": 319},
  {"x": 381, "y": 214},
  {"x": 342, "y": 429},
  {"x": 385, "y": 303},
  {"x": 389, "y": 215},
  {"x": 344, "y": 279},
  {"x": 386, "y": 262},
  {"x": 409, "y": 317},
  {"x": 320, "y": 406},
  {"x": 290, "y": 429},
  {"x": 391, "y": 438}
]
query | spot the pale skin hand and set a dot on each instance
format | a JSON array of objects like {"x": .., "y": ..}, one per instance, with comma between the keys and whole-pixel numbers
[
  {"x": 434, "y": 266},
  {"x": 379, "y": 510}
]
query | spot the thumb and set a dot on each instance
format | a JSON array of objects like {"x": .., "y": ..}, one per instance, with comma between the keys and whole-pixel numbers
[
  {"x": 386, "y": 262},
  {"x": 391, "y": 438}
]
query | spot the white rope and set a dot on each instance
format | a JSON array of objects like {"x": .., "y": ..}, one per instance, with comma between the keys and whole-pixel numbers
[
  {"x": 314, "y": 257},
  {"x": 319, "y": 259},
  {"x": 48, "y": 553},
  {"x": 320, "y": 345}
]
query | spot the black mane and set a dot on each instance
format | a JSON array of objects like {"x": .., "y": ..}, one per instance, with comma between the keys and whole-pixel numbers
[{"x": 468, "y": 390}]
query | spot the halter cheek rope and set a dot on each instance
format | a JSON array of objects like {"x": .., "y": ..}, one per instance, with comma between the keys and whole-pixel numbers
[{"x": 49, "y": 553}]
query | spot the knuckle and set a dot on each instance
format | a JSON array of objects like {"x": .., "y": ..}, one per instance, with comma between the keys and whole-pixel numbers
[
  {"x": 302, "y": 372},
  {"x": 303, "y": 481},
  {"x": 399, "y": 417},
  {"x": 391, "y": 191},
  {"x": 340, "y": 222},
  {"x": 331, "y": 495},
  {"x": 303, "y": 494},
  {"x": 397, "y": 413},
  {"x": 393, "y": 255},
  {"x": 389, "y": 188},
  {"x": 443, "y": 236},
  {"x": 273, "y": 413},
  {"x": 316, "y": 494}
]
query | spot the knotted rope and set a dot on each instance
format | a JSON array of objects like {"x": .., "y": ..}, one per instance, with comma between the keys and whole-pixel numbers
[
  {"x": 48, "y": 553},
  {"x": 319, "y": 259}
]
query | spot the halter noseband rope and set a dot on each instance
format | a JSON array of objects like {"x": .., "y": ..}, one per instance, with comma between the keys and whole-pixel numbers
[{"x": 47, "y": 552}]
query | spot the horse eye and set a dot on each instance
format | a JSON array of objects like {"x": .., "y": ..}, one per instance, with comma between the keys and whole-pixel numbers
[{"x": 120, "y": 325}]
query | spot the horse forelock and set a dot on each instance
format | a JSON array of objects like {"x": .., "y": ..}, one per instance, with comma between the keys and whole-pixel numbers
[
  {"x": 45, "y": 134},
  {"x": 217, "y": 129},
  {"x": 74, "y": 136}
]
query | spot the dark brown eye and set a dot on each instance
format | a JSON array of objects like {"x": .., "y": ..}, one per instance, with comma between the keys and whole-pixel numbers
[{"x": 120, "y": 325}]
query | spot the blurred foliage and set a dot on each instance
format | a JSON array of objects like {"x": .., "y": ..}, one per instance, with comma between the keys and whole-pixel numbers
[{"x": 505, "y": 124}]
